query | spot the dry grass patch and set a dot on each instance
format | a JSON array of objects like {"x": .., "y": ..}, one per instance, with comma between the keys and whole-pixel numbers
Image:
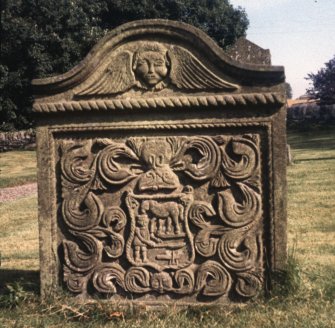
[
  {"x": 19, "y": 234},
  {"x": 17, "y": 167}
]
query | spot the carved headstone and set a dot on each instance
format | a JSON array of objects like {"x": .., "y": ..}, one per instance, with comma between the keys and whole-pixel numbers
[{"x": 161, "y": 170}]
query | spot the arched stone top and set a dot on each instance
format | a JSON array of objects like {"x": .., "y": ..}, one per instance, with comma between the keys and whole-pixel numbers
[{"x": 141, "y": 62}]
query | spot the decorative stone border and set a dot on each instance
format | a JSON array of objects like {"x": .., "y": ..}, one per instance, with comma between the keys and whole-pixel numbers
[{"x": 163, "y": 102}]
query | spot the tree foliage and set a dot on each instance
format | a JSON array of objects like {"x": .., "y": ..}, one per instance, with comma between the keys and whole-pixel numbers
[
  {"x": 323, "y": 83},
  {"x": 44, "y": 38},
  {"x": 288, "y": 90},
  {"x": 40, "y": 38}
]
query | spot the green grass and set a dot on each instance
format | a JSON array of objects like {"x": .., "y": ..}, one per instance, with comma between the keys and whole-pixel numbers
[
  {"x": 311, "y": 194},
  {"x": 17, "y": 168},
  {"x": 302, "y": 297}
]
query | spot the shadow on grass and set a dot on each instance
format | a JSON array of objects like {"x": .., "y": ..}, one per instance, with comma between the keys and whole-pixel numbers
[
  {"x": 314, "y": 139},
  {"x": 314, "y": 159},
  {"x": 28, "y": 279}
]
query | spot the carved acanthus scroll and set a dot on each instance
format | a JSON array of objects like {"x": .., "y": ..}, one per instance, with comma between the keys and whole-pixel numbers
[{"x": 168, "y": 215}]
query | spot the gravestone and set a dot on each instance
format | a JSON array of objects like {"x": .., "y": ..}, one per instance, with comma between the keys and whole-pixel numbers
[{"x": 161, "y": 171}]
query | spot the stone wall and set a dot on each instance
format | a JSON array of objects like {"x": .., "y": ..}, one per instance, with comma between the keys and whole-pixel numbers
[
  {"x": 310, "y": 114},
  {"x": 17, "y": 140}
]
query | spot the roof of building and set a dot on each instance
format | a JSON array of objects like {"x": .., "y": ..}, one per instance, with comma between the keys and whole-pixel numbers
[{"x": 305, "y": 99}]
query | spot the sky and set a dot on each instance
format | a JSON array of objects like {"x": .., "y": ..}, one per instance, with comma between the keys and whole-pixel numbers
[{"x": 299, "y": 33}]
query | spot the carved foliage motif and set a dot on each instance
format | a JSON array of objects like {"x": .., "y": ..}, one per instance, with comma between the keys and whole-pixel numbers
[{"x": 170, "y": 215}]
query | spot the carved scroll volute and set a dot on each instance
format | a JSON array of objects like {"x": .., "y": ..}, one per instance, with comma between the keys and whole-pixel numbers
[
  {"x": 76, "y": 282},
  {"x": 106, "y": 276},
  {"x": 241, "y": 252},
  {"x": 239, "y": 158},
  {"x": 111, "y": 231},
  {"x": 80, "y": 260},
  {"x": 75, "y": 167},
  {"x": 113, "y": 164},
  {"x": 204, "y": 242},
  {"x": 82, "y": 220},
  {"x": 238, "y": 214},
  {"x": 248, "y": 283},
  {"x": 185, "y": 281},
  {"x": 198, "y": 157},
  {"x": 114, "y": 219},
  {"x": 213, "y": 279},
  {"x": 137, "y": 280},
  {"x": 81, "y": 208}
]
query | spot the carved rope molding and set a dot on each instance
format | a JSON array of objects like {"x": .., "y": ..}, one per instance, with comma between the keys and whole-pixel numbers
[{"x": 163, "y": 102}]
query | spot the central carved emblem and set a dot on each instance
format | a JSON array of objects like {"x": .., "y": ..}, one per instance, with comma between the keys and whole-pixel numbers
[
  {"x": 174, "y": 215},
  {"x": 159, "y": 235}
]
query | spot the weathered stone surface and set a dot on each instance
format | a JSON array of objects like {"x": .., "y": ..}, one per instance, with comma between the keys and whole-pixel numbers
[
  {"x": 245, "y": 51},
  {"x": 161, "y": 170}
]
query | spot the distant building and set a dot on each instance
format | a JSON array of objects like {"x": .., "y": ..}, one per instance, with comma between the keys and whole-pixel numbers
[{"x": 301, "y": 101}]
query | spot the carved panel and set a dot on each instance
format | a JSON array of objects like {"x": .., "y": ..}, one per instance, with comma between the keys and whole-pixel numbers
[{"x": 180, "y": 216}]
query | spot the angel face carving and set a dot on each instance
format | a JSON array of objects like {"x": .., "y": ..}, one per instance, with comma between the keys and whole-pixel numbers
[
  {"x": 154, "y": 67},
  {"x": 151, "y": 64}
]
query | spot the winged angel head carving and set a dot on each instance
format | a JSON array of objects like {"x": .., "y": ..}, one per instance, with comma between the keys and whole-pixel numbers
[
  {"x": 154, "y": 67},
  {"x": 151, "y": 65}
]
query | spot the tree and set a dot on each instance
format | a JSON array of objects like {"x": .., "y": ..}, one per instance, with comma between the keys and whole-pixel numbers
[
  {"x": 288, "y": 90},
  {"x": 40, "y": 38},
  {"x": 44, "y": 38},
  {"x": 218, "y": 18},
  {"x": 323, "y": 83}
]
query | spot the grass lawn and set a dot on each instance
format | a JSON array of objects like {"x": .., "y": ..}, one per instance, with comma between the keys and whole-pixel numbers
[
  {"x": 307, "y": 299},
  {"x": 17, "y": 168}
]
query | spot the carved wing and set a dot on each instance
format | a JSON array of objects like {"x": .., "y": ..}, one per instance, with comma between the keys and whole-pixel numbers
[
  {"x": 118, "y": 77},
  {"x": 187, "y": 72}
]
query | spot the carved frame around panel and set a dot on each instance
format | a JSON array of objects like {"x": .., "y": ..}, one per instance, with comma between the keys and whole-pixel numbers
[{"x": 157, "y": 280}]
